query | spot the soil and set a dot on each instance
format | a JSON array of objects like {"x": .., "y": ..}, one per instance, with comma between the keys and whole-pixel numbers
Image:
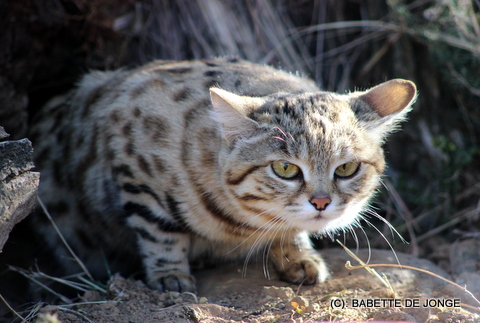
[{"x": 225, "y": 296}]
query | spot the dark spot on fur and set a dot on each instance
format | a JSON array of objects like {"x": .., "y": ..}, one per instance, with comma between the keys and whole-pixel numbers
[
  {"x": 194, "y": 113},
  {"x": 114, "y": 116},
  {"x": 207, "y": 136},
  {"x": 145, "y": 86},
  {"x": 212, "y": 73},
  {"x": 161, "y": 262},
  {"x": 174, "y": 180},
  {"x": 178, "y": 70},
  {"x": 175, "y": 211},
  {"x": 122, "y": 170},
  {"x": 159, "y": 164},
  {"x": 137, "y": 112},
  {"x": 209, "y": 158},
  {"x": 169, "y": 241},
  {"x": 182, "y": 94},
  {"x": 211, "y": 206},
  {"x": 251, "y": 197},
  {"x": 240, "y": 178},
  {"x": 156, "y": 127},
  {"x": 127, "y": 130},
  {"x": 142, "y": 188},
  {"x": 137, "y": 91},
  {"x": 144, "y": 234},
  {"x": 129, "y": 148},
  {"x": 80, "y": 142},
  {"x": 131, "y": 188},
  {"x": 131, "y": 208},
  {"x": 144, "y": 165},
  {"x": 334, "y": 117}
]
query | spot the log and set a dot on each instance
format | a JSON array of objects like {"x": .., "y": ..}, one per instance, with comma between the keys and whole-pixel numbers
[{"x": 18, "y": 184}]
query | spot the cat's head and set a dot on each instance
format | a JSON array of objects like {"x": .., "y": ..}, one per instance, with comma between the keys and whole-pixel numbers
[{"x": 308, "y": 161}]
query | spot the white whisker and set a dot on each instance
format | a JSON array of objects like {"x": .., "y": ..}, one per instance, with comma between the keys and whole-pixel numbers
[
  {"x": 368, "y": 244},
  {"x": 271, "y": 224},
  {"x": 355, "y": 237},
  {"x": 390, "y": 226},
  {"x": 258, "y": 229},
  {"x": 386, "y": 240}
]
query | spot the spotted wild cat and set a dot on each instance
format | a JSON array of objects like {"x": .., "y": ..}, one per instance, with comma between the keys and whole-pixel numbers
[{"x": 175, "y": 163}]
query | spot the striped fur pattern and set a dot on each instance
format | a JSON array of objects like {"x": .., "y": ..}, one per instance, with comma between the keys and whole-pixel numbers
[{"x": 172, "y": 164}]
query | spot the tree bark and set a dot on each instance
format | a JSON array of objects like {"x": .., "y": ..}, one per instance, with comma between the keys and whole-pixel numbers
[{"x": 18, "y": 184}]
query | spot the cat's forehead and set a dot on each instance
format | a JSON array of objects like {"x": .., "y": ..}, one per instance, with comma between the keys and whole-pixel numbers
[
  {"x": 299, "y": 111},
  {"x": 312, "y": 115},
  {"x": 314, "y": 125}
]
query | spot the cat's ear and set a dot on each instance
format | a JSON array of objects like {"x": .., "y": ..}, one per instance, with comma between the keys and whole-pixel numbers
[
  {"x": 384, "y": 106},
  {"x": 231, "y": 111}
]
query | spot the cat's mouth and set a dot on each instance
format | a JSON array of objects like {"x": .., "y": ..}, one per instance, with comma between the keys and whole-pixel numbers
[{"x": 325, "y": 216}]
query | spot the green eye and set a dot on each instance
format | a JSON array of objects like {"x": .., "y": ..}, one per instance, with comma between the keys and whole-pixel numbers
[
  {"x": 346, "y": 170},
  {"x": 285, "y": 170}
]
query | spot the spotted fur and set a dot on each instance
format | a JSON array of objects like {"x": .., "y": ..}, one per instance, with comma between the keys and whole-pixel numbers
[{"x": 171, "y": 163}]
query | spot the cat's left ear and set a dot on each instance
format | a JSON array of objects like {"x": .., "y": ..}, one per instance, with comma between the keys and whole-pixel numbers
[
  {"x": 231, "y": 111},
  {"x": 381, "y": 108}
]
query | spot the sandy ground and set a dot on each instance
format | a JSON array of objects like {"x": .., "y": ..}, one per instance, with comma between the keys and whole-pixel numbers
[{"x": 224, "y": 296}]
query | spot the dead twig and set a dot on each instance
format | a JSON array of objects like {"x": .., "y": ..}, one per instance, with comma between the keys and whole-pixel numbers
[
  {"x": 80, "y": 263},
  {"x": 11, "y": 308}
]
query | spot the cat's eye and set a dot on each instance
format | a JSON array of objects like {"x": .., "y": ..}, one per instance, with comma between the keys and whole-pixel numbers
[
  {"x": 347, "y": 170},
  {"x": 285, "y": 170}
]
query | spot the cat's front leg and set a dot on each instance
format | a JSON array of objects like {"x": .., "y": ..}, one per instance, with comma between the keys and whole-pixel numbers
[
  {"x": 297, "y": 262},
  {"x": 164, "y": 246},
  {"x": 166, "y": 263}
]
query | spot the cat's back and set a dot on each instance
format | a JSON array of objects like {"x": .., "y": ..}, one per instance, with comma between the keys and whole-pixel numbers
[
  {"x": 180, "y": 82},
  {"x": 234, "y": 75}
]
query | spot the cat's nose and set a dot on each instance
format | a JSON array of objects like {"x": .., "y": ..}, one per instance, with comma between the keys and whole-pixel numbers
[{"x": 320, "y": 203}]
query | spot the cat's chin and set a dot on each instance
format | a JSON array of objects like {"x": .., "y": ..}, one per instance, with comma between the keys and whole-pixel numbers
[
  {"x": 328, "y": 221},
  {"x": 316, "y": 223}
]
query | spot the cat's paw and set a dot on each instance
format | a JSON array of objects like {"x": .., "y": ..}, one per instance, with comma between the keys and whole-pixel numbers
[
  {"x": 175, "y": 281},
  {"x": 308, "y": 270}
]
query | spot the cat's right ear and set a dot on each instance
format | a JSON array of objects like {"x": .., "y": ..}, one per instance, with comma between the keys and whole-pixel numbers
[
  {"x": 231, "y": 111},
  {"x": 386, "y": 106}
]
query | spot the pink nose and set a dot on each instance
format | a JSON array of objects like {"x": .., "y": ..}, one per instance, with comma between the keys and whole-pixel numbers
[{"x": 320, "y": 203}]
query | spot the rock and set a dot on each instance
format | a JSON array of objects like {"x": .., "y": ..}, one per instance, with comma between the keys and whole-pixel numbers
[
  {"x": 18, "y": 185},
  {"x": 392, "y": 315},
  {"x": 284, "y": 293}
]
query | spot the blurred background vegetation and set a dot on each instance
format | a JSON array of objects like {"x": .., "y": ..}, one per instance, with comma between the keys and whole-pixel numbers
[{"x": 432, "y": 188}]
